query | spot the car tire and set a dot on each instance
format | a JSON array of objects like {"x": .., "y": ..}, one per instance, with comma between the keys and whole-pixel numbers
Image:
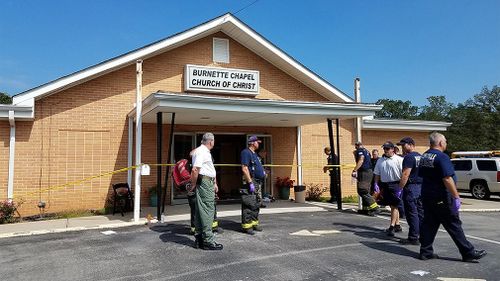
[{"x": 479, "y": 190}]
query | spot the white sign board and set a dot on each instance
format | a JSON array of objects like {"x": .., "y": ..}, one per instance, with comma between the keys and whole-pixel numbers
[{"x": 221, "y": 80}]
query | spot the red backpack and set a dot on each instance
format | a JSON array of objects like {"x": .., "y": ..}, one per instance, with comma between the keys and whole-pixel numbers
[{"x": 181, "y": 174}]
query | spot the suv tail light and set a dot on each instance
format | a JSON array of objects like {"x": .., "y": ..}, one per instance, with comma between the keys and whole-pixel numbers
[{"x": 498, "y": 176}]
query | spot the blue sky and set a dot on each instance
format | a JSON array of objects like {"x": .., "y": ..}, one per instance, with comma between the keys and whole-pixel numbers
[{"x": 400, "y": 49}]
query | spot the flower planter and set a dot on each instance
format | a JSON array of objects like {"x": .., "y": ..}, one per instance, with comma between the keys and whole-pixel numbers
[
  {"x": 153, "y": 200},
  {"x": 285, "y": 193}
]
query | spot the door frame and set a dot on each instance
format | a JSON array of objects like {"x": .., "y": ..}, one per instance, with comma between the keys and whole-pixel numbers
[{"x": 171, "y": 160}]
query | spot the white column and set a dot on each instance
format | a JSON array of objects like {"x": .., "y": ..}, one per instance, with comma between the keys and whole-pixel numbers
[
  {"x": 130, "y": 149},
  {"x": 357, "y": 96},
  {"x": 12, "y": 155},
  {"x": 138, "y": 142},
  {"x": 299, "y": 155}
]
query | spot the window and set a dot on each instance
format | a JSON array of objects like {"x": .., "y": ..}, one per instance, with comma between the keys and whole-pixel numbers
[
  {"x": 221, "y": 50},
  {"x": 486, "y": 165},
  {"x": 462, "y": 165}
]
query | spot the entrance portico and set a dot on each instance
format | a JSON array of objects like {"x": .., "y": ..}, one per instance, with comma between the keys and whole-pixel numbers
[{"x": 200, "y": 113}]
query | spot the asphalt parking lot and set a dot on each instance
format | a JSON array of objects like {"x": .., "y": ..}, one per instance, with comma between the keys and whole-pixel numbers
[{"x": 328, "y": 245}]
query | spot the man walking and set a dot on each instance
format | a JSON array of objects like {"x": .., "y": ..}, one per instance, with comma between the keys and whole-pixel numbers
[
  {"x": 364, "y": 174},
  {"x": 410, "y": 183},
  {"x": 253, "y": 177},
  {"x": 388, "y": 173},
  {"x": 203, "y": 177},
  {"x": 441, "y": 202}
]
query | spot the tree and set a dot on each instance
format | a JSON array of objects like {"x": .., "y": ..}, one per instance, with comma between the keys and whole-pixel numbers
[
  {"x": 475, "y": 122},
  {"x": 437, "y": 110},
  {"x": 5, "y": 98},
  {"x": 396, "y": 109}
]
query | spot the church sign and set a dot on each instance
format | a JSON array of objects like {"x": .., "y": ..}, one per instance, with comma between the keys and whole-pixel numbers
[{"x": 221, "y": 80}]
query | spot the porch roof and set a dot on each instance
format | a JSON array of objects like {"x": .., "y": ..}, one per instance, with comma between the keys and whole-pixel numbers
[{"x": 234, "y": 111}]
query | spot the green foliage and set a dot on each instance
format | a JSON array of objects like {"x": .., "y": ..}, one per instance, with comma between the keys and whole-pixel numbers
[
  {"x": 396, "y": 109},
  {"x": 437, "y": 110},
  {"x": 7, "y": 210},
  {"x": 350, "y": 199},
  {"x": 475, "y": 122},
  {"x": 5, "y": 98}
]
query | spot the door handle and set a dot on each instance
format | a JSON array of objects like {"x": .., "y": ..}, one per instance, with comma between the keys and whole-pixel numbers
[{"x": 469, "y": 174}]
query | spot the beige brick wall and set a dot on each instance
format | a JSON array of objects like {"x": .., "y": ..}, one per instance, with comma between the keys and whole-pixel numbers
[{"x": 82, "y": 131}]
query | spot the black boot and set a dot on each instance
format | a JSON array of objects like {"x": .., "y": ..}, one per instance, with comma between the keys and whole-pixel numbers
[
  {"x": 213, "y": 246},
  {"x": 198, "y": 241}
]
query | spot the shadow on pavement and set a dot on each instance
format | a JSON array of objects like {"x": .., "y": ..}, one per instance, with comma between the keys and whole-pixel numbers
[
  {"x": 366, "y": 231},
  {"x": 175, "y": 233},
  {"x": 390, "y": 248}
]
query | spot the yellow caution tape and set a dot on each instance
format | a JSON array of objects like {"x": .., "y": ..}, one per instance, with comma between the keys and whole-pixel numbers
[{"x": 57, "y": 187}]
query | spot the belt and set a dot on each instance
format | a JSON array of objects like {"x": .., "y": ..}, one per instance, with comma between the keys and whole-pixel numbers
[{"x": 206, "y": 177}]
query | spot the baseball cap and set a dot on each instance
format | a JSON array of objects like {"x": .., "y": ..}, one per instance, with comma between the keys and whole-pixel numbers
[
  {"x": 253, "y": 139},
  {"x": 388, "y": 144},
  {"x": 406, "y": 140}
]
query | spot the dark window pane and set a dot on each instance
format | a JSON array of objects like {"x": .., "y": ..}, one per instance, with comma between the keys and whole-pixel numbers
[
  {"x": 486, "y": 165},
  {"x": 462, "y": 165}
]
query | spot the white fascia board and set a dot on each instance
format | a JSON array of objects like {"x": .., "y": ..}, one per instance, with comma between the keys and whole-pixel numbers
[
  {"x": 119, "y": 62},
  {"x": 405, "y": 125},
  {"x": 170, "y": 100},
  {"x": 277, "y": 52}
]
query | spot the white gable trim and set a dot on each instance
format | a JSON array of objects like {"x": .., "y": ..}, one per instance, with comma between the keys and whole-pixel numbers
[{"x": 227, "y": 24}]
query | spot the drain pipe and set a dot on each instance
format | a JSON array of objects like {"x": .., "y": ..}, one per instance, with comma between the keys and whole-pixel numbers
[
  {"x": 12, "y": 150},
  {"x": 138, "y": 142},
  {"x": 357, "y": 97}
]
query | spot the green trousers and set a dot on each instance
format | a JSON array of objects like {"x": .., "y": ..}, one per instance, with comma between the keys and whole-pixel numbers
[{"x": 205, "y": 209}]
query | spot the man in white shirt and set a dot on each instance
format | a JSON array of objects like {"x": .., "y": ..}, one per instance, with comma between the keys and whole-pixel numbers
[
  {"x": 388, "y": 172},
  {"x": 203, "y": 177}
]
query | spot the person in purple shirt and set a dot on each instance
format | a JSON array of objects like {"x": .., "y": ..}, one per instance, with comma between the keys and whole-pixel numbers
[{"x": 441, "y": 202}]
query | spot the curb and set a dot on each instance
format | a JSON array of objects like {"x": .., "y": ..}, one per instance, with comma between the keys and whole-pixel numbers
[
  {"x": 71, "y": 229},
  {"x": 143, "y": 221}
]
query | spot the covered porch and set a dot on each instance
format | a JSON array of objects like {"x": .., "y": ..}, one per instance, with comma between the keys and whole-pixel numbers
[{"x": 190, "y": 114}]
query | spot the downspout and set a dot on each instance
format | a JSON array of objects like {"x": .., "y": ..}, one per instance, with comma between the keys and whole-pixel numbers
[
  {"x": 299, "y": 155},
  {"x": 12, "y": 154},
  {"x": 357, "y": 97},
  {"x": 138, "y": 142},
  {"x": 130, "y": 149}
]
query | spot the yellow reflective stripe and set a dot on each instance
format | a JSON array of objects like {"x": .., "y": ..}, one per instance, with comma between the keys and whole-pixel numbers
[
  {"x": 255, "y": 223},
  {"x": 373, "y": 206},
  {"x": 215, "y": 224},
  {"x": 246, "y": 225}
]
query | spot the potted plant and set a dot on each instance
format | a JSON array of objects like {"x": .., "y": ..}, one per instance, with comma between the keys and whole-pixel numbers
[
  {"x": 153, "y": 196},
  {"x": 284, "y": 185}
]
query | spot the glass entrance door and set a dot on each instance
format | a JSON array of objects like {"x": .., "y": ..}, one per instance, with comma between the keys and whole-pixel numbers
[{"x": 183, "y": 144}]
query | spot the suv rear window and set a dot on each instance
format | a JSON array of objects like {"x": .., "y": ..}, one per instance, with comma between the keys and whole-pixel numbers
[
  {"x": 486, "y": 165},
  {"x": 462, "y": 165}
]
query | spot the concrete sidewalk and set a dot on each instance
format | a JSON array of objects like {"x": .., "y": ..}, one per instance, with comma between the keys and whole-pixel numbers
[{"x": 181, "y": 213}]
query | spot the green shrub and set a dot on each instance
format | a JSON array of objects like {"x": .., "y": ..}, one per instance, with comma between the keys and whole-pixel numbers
[{"x": 7, "y": 210}]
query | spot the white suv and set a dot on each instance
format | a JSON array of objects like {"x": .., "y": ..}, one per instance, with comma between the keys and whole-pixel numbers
[{"x": 479, "y": 176}]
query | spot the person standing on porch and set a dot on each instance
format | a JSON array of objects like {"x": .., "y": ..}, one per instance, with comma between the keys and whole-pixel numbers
[
  {"x": 253, "y": 177},
  {"x": 364, "y": 174},
  {"x": 330, "y": 160},
  {"x": 203, "y": 177}
]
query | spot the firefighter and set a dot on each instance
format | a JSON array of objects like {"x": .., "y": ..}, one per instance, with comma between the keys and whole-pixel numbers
[
  {"x": 253, "y": 177},
  {"x": 441, "y": 202}
]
